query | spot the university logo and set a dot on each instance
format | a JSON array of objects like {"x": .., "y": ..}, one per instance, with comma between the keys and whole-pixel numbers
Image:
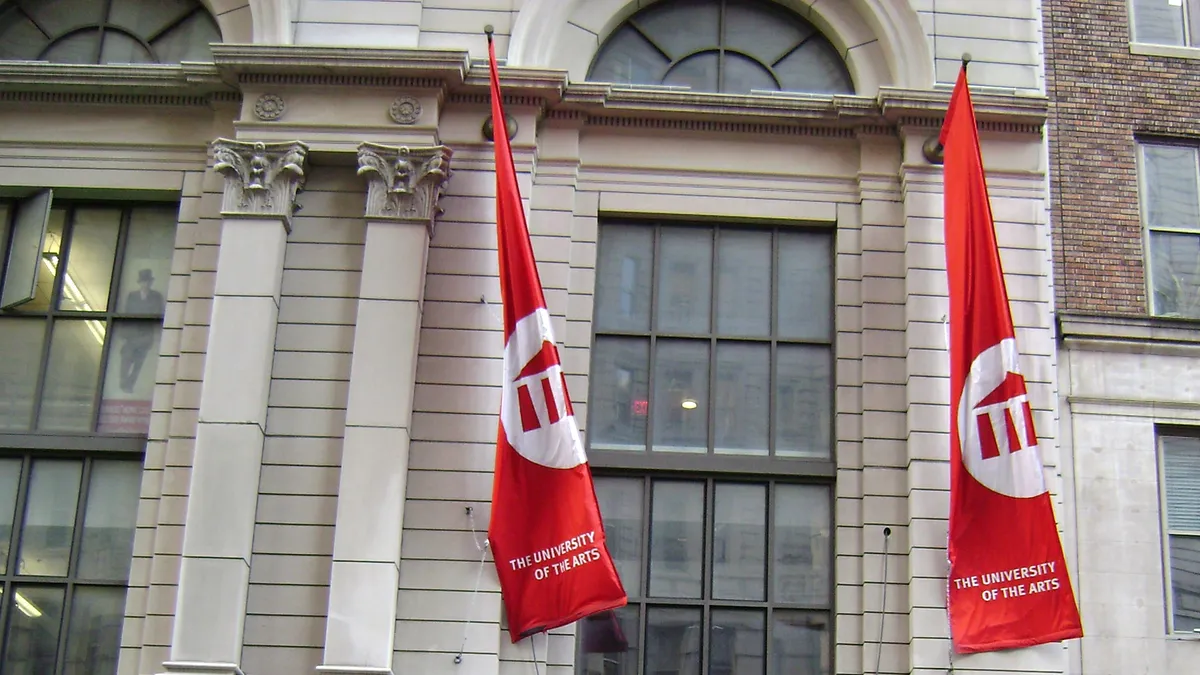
[
  {"x": 995, "y": 425},
  {"x": 539, "y": 422}
]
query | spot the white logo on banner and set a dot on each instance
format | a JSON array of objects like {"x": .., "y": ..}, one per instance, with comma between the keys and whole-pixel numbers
[
  {"x": 995, "y": 425},
  {"x": 537, "y": 416}
]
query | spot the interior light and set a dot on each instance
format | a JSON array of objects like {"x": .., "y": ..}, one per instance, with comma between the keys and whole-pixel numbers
[
  {"x": 689, "y": 404},
  {"x": 27, "y": 608},
  {"x": 75, "y": 294}
]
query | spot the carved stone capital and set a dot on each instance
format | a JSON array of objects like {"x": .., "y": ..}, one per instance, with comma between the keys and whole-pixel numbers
[
  {"x": 404, "y": 183},
  {"x": 261, "y": 179}
]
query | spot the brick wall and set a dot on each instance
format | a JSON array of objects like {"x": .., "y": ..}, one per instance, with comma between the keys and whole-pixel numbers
[{"x": 1103, "y": 98}]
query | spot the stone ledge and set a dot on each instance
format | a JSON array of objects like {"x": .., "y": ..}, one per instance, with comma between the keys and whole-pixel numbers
[{"x": 1130, "y": 334}]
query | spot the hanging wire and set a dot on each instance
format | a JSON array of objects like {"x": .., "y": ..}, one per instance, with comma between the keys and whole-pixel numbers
[
  {"x": 887, "y": 534},
  {"x": 483, "y": 548},
  {"x": 533, "y": 648},
  {"x": 499, "y": 319}
]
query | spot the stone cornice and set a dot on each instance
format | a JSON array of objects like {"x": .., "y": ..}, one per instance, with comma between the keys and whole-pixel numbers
[
  {"x": 182, "y": 84},
  {"x": 1110, "y": 332},
  {"x": 307, "y": 64}
]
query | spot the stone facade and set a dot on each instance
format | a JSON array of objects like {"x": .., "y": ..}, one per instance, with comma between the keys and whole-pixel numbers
[{"x": 318, "y": 468}]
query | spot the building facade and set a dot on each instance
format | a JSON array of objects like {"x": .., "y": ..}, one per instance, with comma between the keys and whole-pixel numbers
[
  {"x": 252, "y": 344},
  {"x": 1123, "y": 138}
]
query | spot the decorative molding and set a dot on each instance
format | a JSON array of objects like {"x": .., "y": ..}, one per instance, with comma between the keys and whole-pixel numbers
[
  {"x": 326, "y": 80},
  {"x": 509, "y": 100},
  {"x": 189, "y": 79},
  {"x": 720, "y": 126},
  {"x": 90, "y": 98},
  {"x": 404, "y": 183},
  {"x": 406, "y": 109},
  {"x": 261, "y": 179},
  {"x": 269, "y": 107},
  {"x": 202, "y": 668},
  {"x": 444, "y": 66}
]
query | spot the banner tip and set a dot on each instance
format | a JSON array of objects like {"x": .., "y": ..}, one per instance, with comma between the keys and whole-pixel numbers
[
  {"x": 966, "y": 58},
  {"x": 488, "y": 30}
]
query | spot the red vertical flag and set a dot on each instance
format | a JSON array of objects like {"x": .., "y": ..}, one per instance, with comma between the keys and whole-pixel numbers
[
  {"x": 545, "y": 531},
  {"x": 1008, "y": 584}
]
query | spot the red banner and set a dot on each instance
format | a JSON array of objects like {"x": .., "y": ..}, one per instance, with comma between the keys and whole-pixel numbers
[
  {"x": 545, "y": 532},
  {"x": 1008, "y": 584}
]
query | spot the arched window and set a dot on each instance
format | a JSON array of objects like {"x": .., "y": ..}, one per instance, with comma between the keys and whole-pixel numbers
[
  {"x": 106, "y": 31},
  {"x": 729, "y": 46}
]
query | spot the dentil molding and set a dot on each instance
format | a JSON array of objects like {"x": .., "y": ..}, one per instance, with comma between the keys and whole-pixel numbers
[
  {"x": 404, "y": 183},
  {"x": 261, "y": 179}
]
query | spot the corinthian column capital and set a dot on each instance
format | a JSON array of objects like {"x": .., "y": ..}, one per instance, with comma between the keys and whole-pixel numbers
[
  {"x": 404, "y": 183},
  {"x": 261, "y": 179}
]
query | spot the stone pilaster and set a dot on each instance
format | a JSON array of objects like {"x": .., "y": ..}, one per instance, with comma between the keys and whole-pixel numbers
[
  {"x": 261, "y": 182},
  {"x": 404, "y": 185}
]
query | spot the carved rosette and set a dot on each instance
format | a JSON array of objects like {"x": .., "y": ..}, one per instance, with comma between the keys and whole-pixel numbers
[
  {"x": 261, "y": 179},
  {"x": 404, "y": 183}
]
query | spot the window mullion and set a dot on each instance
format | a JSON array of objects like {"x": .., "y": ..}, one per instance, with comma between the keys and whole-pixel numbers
[
  {"x": 711, "y": 403},
  {"x": 706, "y": 566},
  {"x": 85, "y": 482},
  {"x": 650, "y": 367},
  {"x": 644, "y": 591},
  {"x": 13, "y": 552},
  {"x": 768, "y": 565}
]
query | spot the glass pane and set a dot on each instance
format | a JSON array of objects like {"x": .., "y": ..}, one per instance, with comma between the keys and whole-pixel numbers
[
  {"x": 619, "y": 401},
  {"x": 147, "y": 17},
  {"x": 681, "y": 27},
  {"x": 740, "y": 542},
  {"x": 681, "y": 396},
  {"x": 684, "y": 280},
  {"x": 51, "y": 249},
  {"x": 698, "y": 72},
  {"x": 623, "y": 278},
  {"x": 49, "y": 518},
  {"x": 801, "y": 545},
  {"x": 129, "y": 378},
  {"x": 628, "y": 58},
  {"x": 1185, "y": 582},
  {"x": 744, "y": 75},
  {"x": 608, "y": 643},
  {"x": 1175, "y": 271},
  {"x": 19, "y": 37},
  {"x": 57, "y": 16},
  {"x": 75, "y": 48},
  {"x": 744, "y": 283},
  {"x": 803, "y": 401},
  {"x": 762, "y": 30},
  {"x": 109, "y": 520},
  {"x": 22, "y": 282},
  {"x": 189, "y": 41},
  {"x": 673, "y": 641},
  {"x": 676, "y": 539},
  {"x": 815, "y": 67},
  {"x": 69, "y": 394},
  {"x": 800, "y": 643},
  {"x": 120, "y": 48},
  {"x": 1158, "y": 21},
  {"x": 90, "y": 260},
  {"x": 805, "y": 286},
  {"x": 742, "y": 400},
  {"x": 1171, "y": 197},
  {"x": 35, "y": 618},
  {"x": 10, "y": 477},
  {"x": 94, "y": 634},
  {"x": 147, "y": 264},
  {"x": 738, "y": 643},
  {"x": 22, "y": 340},
  {"x": 621, "y": 509}
]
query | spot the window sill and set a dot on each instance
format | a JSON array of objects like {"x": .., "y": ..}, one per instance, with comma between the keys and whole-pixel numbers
[
  {"x": 1184, "y": 637},
  {"x": 1169, "y": 51}
]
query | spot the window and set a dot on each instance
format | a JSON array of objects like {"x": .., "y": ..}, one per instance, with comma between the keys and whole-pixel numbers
[
  {"x": 709, "y": 427},
  {"x": 1171, "y": 212},
  {"x": 729, "y": 46},
  {"x": 1181, "y": 479},
  {"x": 106, "y": 31},
  {"x": 66, "y": 538},
  {"x": 81, "y": 308}
]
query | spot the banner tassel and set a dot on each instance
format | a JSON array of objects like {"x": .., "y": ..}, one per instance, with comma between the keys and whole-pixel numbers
[
  {"x": 887, "y": 535},
  {"x": 458, "y": 658}
]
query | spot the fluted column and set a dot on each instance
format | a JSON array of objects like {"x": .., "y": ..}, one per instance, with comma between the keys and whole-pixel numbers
[
  {"x": 403, "y": 188},
  {"x": 261, "y": 183}
]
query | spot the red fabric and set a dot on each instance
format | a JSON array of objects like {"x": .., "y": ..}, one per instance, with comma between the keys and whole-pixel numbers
[
  {"x": 1008, "y": 583},
  {"x": 545, "y": 531}
]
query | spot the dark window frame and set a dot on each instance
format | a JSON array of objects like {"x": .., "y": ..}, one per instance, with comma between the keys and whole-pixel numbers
[
  {"x": 33, "y": 437},
  {"x": 12, "y": 579},
  {"x": 771, "y": 470},
  {"x": 1161, "y": 433}
]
